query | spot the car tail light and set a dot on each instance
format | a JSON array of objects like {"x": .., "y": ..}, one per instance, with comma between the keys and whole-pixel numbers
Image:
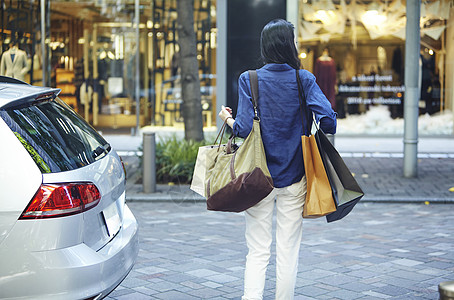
[
  {"x": 62, "y": 199},
  {"x": 124, "y": 167}
]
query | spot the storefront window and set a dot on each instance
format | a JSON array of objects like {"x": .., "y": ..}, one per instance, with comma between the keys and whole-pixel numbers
[
  {"x": 164, "y": 60},
  {"x": 91, "y": 51},
  {"x": 19, "y": 40},
  {"x": 356, "y": 50}
]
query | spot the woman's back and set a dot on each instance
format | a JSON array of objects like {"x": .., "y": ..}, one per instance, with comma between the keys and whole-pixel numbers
[{"x": 280, "y": 117}]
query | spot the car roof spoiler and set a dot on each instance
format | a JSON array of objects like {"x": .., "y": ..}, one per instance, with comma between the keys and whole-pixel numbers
[{"x": 12, "y": 97}]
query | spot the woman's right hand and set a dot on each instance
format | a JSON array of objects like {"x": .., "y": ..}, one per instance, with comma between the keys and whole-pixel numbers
[{"x": 225, "y": 113}]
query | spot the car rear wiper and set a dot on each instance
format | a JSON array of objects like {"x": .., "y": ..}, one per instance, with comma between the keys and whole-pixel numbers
[{"x": 101, "y": 150}]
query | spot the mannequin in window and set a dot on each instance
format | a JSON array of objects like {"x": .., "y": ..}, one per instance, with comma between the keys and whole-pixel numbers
[
  {"x": 105, "y": 58},
  {"x": 14, "y": 63},
  {"x": 325, "y": 73}
]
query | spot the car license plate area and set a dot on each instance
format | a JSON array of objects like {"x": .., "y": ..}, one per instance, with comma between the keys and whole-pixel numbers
[{"x": 112, "y": 219}]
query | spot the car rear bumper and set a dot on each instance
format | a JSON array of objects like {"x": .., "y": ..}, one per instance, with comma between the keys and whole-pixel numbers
[{"x": 76, "y": 272}]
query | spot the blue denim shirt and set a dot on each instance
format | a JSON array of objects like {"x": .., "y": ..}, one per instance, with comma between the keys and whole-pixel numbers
[{"x": 280, "y": 117}]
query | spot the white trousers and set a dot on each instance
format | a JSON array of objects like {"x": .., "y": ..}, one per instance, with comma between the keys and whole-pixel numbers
[{"x": 289, "y": 225}]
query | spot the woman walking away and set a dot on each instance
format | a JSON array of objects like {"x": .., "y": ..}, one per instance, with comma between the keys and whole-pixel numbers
[{"x": 281, "y": 129}]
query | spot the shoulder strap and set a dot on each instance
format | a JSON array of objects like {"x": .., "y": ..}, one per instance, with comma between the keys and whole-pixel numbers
[
  {"x": 254, "y": 89},
  {"x": 302, "y": 100}
]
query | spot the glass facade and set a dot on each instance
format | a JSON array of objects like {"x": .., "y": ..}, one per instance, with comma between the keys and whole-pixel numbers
[
  {"x": 90, "y": 52},
  {"x": 356, "y": 50}
]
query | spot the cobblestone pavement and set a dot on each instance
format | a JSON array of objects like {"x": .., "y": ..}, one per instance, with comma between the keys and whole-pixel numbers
[
  {"x": 381, "y": 179},
  {"x": 379, "y": 251}
]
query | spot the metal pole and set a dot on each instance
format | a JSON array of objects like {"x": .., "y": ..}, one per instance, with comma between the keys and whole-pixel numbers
[
  {"x": 137, "y": 14},
  {"x": 43, "y": 40},
  {"x": 33, "y": 48},
  {"x": 95, "y": 97},
  {"x": 86, "y": 75},
  {"x": 49, "y": 53},
  {"x": 149, "y": 162},
  {"x": 412, "y": 46},
  {"x": 3, "y": 34},
  {"x": 221, "y": 54}
]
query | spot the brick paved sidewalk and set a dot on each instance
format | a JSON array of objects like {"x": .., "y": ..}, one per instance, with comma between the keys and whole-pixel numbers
[
  {"x": 379, "y": 251},
  {"x": 381, "y": 178}
]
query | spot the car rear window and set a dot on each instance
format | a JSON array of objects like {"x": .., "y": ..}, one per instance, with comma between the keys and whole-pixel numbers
[{"x": 55, "y": 136}]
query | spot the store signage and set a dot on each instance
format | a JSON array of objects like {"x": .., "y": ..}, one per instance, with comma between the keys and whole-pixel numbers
[{"x": 372, "y": 89}]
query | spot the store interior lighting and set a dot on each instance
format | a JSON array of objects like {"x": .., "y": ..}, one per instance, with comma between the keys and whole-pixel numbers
[
  {"x": 429, "y": 51},
  {"x": 325, "y": 19},
  {"x": 325, "y": 11},
  {"x": 373, "y": 17},
  {"x": 326, "y": 16},
  {"x": 106, "y": 54},
  {"x": 56, "y": 44}
]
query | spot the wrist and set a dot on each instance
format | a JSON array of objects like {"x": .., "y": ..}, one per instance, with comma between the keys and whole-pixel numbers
[{"x": 230, "y": 121}]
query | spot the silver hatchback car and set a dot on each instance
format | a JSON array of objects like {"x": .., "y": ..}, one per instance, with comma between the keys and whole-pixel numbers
[{"x": 65, "y": 230}]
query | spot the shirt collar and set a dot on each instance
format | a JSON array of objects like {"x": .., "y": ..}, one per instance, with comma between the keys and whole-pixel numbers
[{"x": 277, "y": 67}]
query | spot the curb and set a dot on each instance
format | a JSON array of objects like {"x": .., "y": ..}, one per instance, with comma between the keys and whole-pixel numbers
[
  {"x": 400, "y": 199},
  {"x": 164, "y": 198}
]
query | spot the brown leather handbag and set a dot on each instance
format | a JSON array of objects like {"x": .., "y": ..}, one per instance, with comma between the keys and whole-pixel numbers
[{"x": 239, "y": 179}]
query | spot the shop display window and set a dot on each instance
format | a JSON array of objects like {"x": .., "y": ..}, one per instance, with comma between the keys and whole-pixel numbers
[
  {"x": 91, "y": 50},
  {"x": 356, "y": 49}
]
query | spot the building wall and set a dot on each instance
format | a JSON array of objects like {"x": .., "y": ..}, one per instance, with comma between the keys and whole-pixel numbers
[{"x": 245, "y": 20}]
